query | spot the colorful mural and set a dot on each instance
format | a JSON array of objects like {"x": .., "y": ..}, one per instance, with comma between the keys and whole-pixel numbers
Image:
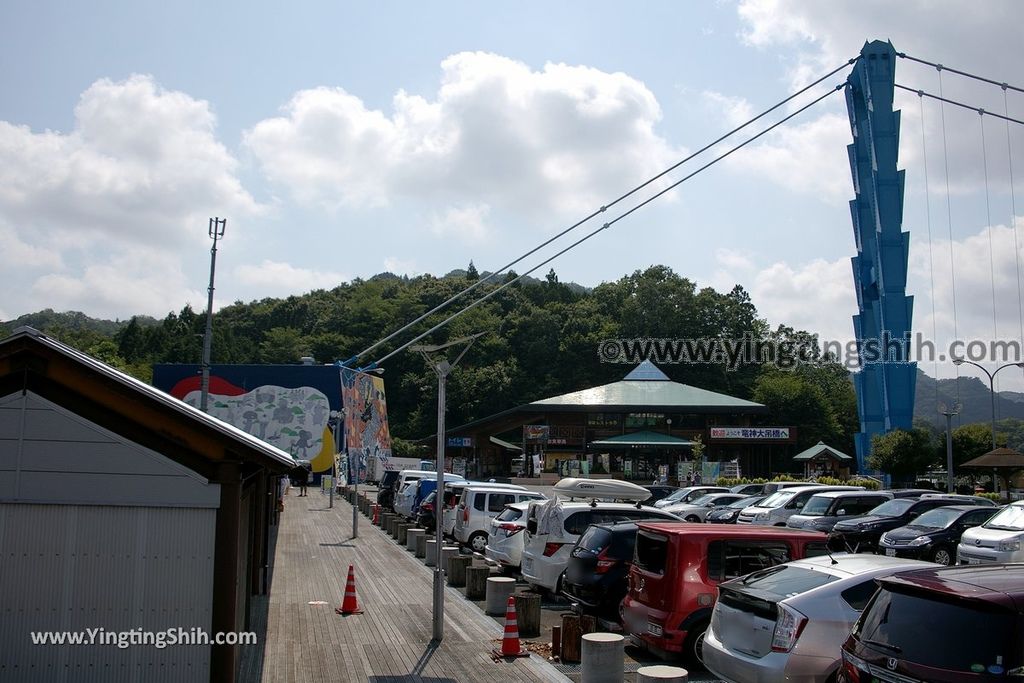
[
  {"x": 366, "y": 419},
  {"x": 290, "y": 407}
]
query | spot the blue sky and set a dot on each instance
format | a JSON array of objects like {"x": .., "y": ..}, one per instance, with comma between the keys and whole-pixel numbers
[{"x": 341, "y": 140}]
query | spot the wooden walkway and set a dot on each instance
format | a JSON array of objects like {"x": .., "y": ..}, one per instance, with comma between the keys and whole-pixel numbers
[{"x": 391, "y": 641}]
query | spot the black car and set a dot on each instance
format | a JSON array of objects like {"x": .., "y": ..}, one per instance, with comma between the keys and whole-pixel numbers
[
  {"x": 861, "y": 534},
  {"x": 727, "y": 514},
  {"x": 597, "y": 576},
  {"x": 659, "y": 491},
  {"x": 934, "y": 535},
  {"x": 386, "y": 490}
]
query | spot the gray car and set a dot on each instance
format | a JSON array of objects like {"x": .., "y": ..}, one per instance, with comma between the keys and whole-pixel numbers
[
  {"x": 787, "y": 623},
  {"x": 697, "y": 510},
  {"x": 823, "y": 510}
]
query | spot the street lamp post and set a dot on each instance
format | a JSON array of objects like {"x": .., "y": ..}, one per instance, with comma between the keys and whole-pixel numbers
[
  {"x": 949, "y": 413},
  {"x": 439, "y": 363},
  {"x": 992, "y": 393}
]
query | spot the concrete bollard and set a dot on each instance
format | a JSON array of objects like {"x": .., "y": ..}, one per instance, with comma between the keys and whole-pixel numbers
[
  {"x": 421, "y": 545},
  {"x": 662, "y": 674},
  {"x": 394, "y": 527},
  {"x": 456, "y": 567},
  {"x": 476, "y": 582},
  {"x": 603, "y": 658},
  {"x": 430, "y": 556},
  {"x": 403, "y": 533},
  {"x": 499, "y": 589},
  {"x": 410, "y": 537},
  {"x": 447, "y": 553},
  {"x": 384, "y": 520}
]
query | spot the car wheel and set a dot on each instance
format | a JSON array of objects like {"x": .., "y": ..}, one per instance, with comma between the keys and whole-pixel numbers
[
  {"x": 477, "y": 542},
  {"x": 692, "y": 518},
  {"x": 942, "y": 555},
  {"x": 694, "y": 647}
]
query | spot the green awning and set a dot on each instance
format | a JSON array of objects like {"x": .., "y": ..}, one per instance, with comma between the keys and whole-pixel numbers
[{"x": 645, "y": 438}]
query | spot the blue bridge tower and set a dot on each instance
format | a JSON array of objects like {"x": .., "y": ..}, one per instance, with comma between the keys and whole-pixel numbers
[{"x": 885, "y": 382}]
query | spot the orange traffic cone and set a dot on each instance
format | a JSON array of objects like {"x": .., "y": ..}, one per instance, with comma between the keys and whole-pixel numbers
[
  {"x": 349, "y": 605},
  {"x": 510, "y": 642}
]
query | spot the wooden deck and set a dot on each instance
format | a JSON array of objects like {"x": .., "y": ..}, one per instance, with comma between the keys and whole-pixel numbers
[{"x": 391, "y": 641}]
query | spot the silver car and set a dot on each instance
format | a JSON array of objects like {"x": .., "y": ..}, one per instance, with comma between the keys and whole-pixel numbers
[
  {"x": 700, "y": 507},
  {"x": 787, "y": 623},
  {"x": 823, "y": 510}
]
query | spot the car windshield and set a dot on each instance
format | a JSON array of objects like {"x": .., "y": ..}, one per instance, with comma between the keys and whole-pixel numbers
[
  {"x": 1010, "y": 518},
  {"x": 939, "y": 518},
  {"x": 706, "y": 499},
  {"x": 746, "y": 502},
  {"x": 677, "y": 495},
  {"x": 817, "y": 505},
  {"x": 892, "y": 508},
  {"x": 777, "y": 499}
]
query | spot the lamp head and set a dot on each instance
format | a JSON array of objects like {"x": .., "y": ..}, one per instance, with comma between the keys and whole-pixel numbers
[{"x": 958, "y": 361}]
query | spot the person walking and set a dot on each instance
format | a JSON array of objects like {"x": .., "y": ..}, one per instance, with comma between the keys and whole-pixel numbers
[{"x": 302, "y": 479}]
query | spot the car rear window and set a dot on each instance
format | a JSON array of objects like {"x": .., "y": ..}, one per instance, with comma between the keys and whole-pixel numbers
[
  {"x": 786, "y": 581},
  {"x": 595, "y": 539},
  {"x": 730, "y": 559},
  {"x": 651, "y": 552},
  {"x": 897, "y": 624},
  {"x": 509, "y": 515}
]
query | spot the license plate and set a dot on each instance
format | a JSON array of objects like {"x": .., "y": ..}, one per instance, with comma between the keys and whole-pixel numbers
[
  {"x": 655, "y": 629},
  {"x": 890, "y": 552},
  {"x": 527, "y": 564}
]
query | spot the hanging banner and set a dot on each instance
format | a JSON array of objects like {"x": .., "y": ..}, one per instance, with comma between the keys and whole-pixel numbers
[{"x": 366, "y": 420}]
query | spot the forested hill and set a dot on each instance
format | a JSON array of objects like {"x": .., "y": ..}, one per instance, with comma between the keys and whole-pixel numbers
[{"x": 543, "y": 338}]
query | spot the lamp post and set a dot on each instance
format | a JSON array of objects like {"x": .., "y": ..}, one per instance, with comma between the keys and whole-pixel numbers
[
  {"x": 992, "y": 394},
  {"x": 217, "y": 226},
  {"x": 949, "y": 413},
  {"x": 439, "y": 363}
]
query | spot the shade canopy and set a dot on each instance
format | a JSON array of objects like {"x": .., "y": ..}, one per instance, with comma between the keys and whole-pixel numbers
[
  {"x": 645, "y": 438},
  {"x": 1000, "y": 458}
]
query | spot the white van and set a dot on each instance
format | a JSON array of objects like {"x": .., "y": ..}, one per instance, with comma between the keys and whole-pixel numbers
[
  {"x": 777, "y": 508},
  {"x": 1000, "y": 539},
  {"x": 453, "y": 494},
  {"x": 479, "y": 505},
  {"x": 408, "y": 489}
]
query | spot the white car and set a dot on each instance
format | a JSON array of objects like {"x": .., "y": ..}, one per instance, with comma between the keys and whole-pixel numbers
[
  {"x": 700, "y": 507},
  {"x": 777, "y": 508},
  {"x": 505, "y": 539},
  {"x": 552, "y": 530},
  {"x": 453, "y": 494},
  {"x": 788, "y": 622},
  {"x": 688, "y": 494},
  {"x": 1000, "y": 539},
  {"x": 478, "y": 506},
  {"x": 408, "y": 494}
]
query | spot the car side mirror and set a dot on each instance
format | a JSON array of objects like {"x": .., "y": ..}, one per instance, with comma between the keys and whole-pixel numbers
[{"x": 840, "y": 512}]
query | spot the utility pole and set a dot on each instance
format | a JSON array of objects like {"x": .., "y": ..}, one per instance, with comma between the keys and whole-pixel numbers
[
  {"x": 217, "y": 226},
  {"x": 949, "y": 413}
]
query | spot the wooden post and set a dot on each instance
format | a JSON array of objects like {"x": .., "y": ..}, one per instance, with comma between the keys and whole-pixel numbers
[
  {"x": 556, "y": 641},
  {"x": 457, "y": 566},
  {"x": 476, "y": 582},
  {"x": 528, "y": 614},
  {"x": 571, "y": 638},
  {"x": 588, "y": 624}
]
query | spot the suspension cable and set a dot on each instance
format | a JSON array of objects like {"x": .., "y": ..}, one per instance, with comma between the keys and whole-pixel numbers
[
  {"x": 1013, "y": 223},
  {"x": 610, "y": 223},
  {"x": 940, "y": 67},
  {"x": 979, "y": 110},
  {"x": 602, "y": 209},
  {"x": 949, "y": 221},
  {"x": 931, "y": 263},
  {"x": 988, "y": 219}
]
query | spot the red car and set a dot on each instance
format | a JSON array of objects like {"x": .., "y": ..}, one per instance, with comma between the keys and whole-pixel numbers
[
  {"x": 942, "y": 625},
  {"x": 676, "y": 571}
]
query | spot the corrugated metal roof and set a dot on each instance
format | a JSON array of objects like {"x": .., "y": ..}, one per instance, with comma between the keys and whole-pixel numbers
[
  {"x": 819, "y": 449},
  {"x": 647, "y": 371},
  {"x": 628, "y": 394},
  {"x": 644, "y": 438},
  {"x": 168, "y": 401}
]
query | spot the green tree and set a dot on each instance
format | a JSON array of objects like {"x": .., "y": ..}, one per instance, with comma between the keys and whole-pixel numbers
[
  {"x": 792, "y": 399},
  {"x": 901, "y": 453},
  {"x": 282, "y": 345},
  {"x": 970, "y": 441}
]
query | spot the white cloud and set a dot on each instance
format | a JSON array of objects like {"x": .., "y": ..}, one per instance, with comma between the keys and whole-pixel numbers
[
  {"x": 136, "y": 280},
  {"x": 18, "y": 253},
  {"x": 398, "y": 266},
  {"x": 273, "y": 278},
  {"x": 496, "y": 133},
  {"x": 466, "y": 223},
  {"x": 733, "y": 260}
]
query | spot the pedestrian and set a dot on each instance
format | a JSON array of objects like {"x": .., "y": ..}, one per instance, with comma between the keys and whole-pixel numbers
[
  {"x": 282, "y": 491},
  {"x": 302, "y": 479}
]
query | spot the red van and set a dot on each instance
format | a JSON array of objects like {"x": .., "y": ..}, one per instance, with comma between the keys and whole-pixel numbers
[{"x": 678, "y": 566}]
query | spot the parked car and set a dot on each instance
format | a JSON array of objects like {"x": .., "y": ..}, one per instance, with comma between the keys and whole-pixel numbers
[
  {"x": 822, "y": 511},
  {"x": 547, "y": 547},
  {"x": 699, "y": 508},
  {"x": 689, "y": 494},
  {"x": 597, "y": 574},
  {"x": 453, "y": 494},
  {"x": 676, "y": 571},
  {"x": 659, "y": 491},
  {"x": 505, "y": 537},
  {"x": 997, "y": 540},
  {"x": 386, "y": 490},
  {"x": 941, "y": 625},
  {"x": 748, "y": 489},
  {"x": 407, "y": 496},
  {"x": 934, "y": 535},
  {"x": 781, "y": 505},
  {"x": 478, "y": 506},
  {"x": 728, "y": 514},
  {"x": 787, "y": 623},
  {"x": 861, "y": 534}
]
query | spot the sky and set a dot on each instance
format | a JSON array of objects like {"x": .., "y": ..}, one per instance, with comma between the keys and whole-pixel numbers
[{"x": 340, "y": 140}]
